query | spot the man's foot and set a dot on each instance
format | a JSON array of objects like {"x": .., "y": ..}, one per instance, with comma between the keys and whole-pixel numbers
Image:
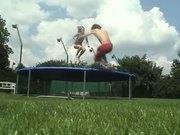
[{"x": 106, "y": 65}]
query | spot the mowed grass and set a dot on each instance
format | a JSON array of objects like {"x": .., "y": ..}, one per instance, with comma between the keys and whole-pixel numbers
[{"x": 41, "y": 116}]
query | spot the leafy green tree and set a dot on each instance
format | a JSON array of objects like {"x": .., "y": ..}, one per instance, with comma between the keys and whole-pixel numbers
[
  {"x": 96, "y": 65},
  {"x": 146, "y": 73},
  {"x": 6, "y": 74},
  {"x": 61, "y": 63},
  {"x": 175, "y": 74},
  {"x": 175, "y": 69},
  {"x": 80, "y": 64},
  {"x": 51, "y": 63},
  {"x": 167, "y": 87},
  {"x": 5, "y": 50}
]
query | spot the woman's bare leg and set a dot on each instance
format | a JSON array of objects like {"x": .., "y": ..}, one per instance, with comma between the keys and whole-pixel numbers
[
  {"x": 78, "y": 47},
  {"x": 81, "y": 52}
]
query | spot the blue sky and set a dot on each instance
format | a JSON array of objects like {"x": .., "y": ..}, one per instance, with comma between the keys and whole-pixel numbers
[{"x": 136, "y": 27}]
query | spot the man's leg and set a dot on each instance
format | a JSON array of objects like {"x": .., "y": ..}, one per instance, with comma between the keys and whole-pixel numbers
[
  {"x": 104, "y": 58},
  {"x": 104, "y": 63}
]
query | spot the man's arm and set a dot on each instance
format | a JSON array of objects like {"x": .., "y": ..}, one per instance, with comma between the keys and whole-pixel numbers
[{"x": 87, "y": 34}]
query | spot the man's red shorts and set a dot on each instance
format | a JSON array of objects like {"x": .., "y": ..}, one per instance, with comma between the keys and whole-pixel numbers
[{"x": 102, "y": 50}]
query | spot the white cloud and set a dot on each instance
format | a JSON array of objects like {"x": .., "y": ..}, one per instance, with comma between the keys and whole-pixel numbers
[
  {"x": 28, "y": 58},
  {"x": 47, "y": 35},
  {"x": 77, "y": 8},
  {"x": 22, "y": 12},
  {"x": 26, "y": 14},
  {"x": 131, "y": 24},
  {"x": 177, "y": 44},
  {"x": 163, "y": 62}
]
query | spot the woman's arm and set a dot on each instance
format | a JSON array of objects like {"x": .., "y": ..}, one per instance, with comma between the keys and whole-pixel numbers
[{"x": 75, "y": 36}]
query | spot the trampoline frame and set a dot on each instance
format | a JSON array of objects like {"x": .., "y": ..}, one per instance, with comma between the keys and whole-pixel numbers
[{"x": 85, "y": 70}]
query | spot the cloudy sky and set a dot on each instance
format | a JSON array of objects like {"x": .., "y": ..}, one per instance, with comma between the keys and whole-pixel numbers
[{"x": 136, "y": 27}]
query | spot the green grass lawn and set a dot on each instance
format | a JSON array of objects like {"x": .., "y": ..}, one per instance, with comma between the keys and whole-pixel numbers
[{"x": 41, "y": 116}]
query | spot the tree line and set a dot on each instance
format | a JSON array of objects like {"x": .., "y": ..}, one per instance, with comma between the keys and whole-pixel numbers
[{"x": 148, "y": 80}]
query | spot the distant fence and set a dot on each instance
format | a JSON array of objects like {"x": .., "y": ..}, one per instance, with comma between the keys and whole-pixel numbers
[{"x": 8, "y": 86}]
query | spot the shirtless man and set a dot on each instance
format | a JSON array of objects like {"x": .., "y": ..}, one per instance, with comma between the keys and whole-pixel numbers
[{"x": 106, "y": 45}]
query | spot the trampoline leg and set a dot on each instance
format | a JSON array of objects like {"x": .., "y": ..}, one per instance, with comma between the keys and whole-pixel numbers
[
  {"x": 29, "y": 82},
  {"x": 130, "y": 88},
  {"x": 17, "y": 84},
  {"x": 84, "y": 85}
]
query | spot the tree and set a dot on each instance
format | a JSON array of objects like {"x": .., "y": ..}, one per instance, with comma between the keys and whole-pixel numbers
[
  {"x": 61, "y": 63},
  {"x": 5, "y": 50},
  {"x": 6, "y": 74},
  {"x": 167, "y": 87},
  {"x": 146, "y": 73},
  {"x": 175, "y": 73},
  {"x": 175, "y": 69},
  {"x": 52, "y": 63},
  {"x": 175, "y": 77}
]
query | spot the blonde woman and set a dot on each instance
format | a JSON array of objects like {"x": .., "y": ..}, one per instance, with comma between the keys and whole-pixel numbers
[{"x": 78, "y": 42}]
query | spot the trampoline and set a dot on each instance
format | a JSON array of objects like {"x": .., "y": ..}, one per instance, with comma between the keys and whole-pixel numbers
[{"x": 80, "y": 74}]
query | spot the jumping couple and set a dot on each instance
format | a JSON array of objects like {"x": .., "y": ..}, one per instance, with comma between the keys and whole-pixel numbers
[{"x": 103, "y": 37}]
